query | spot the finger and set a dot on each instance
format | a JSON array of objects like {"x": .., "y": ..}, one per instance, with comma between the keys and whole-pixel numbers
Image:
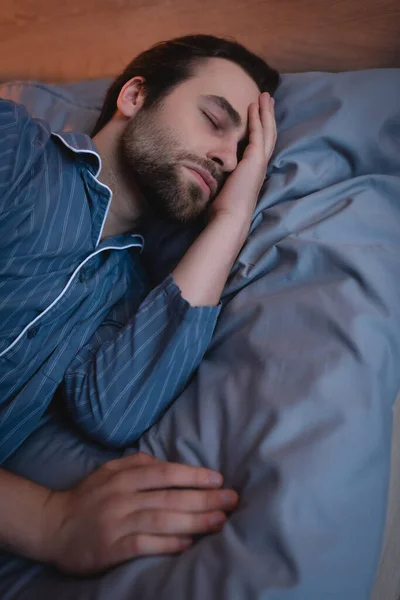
[
  {"x": 187, "y": 500},
  {"x": 132, "y": 546},
  {"x": 268, "y": 123},
  {"x": 132, "y": 460},
  {"x": 267, "y": 110},
  {"x": 172, "y": 522},
  {"x": 164, "y": 475},
  {"x": 256, "y": 133}
]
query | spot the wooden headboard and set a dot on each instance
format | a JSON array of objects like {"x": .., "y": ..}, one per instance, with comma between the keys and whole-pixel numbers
[{"x": 58, "y": 41}]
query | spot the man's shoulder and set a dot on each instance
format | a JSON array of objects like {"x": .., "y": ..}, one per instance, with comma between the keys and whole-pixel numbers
[
  {"x": 41, "y": 193},
  {"x": 11, "y": 112},
  {"x": 22, "y": 131},
  {"x": 16, "y": 120},
  {"x": 23, "y": 139}
]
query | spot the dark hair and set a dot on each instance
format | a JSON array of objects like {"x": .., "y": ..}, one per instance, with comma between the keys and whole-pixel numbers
[{"x": 167, "y": 64}]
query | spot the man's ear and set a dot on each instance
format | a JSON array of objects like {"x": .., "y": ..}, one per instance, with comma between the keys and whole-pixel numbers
[{"x": 131, "y": 97}]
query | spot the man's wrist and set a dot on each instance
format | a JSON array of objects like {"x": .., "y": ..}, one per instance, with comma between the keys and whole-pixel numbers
[
  {"x": 53, "y": 516},
  {"x": 202, "y": 272},
  {"x": 238, "y": 224},
  {"x": 22, "y": 516}
]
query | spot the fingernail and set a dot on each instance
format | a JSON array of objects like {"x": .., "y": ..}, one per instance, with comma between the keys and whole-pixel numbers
[
  {"x": 186, "y": 542},
  {"x": 215, "y": 479},
  {"x": 229, "y": 499},
  {"x": 217, "y": 519},
  {"x": 273, "y": 101}
]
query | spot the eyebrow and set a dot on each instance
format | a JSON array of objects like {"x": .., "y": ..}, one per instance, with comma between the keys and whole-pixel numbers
[{"x": 227, "y": 107}]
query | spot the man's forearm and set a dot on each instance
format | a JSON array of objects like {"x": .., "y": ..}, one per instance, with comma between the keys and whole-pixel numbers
[
  {"x": 202, "y": 272},
  {"x": 21, "y": 515}
]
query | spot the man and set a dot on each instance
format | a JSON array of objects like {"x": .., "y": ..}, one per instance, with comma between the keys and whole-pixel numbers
[{"x": 183, "y": 130}]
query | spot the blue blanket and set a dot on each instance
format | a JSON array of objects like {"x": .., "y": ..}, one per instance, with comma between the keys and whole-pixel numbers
[{"x": 293, "y": 402}]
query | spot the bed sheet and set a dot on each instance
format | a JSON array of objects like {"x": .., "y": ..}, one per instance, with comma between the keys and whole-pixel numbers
[{"x": 293, "y": 401}]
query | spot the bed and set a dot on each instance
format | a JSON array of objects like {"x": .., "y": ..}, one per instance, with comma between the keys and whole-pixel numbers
[{"x": 293, "y": 402}]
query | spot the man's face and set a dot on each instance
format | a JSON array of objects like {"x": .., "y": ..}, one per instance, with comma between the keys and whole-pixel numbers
[{"x": 158, "y": 146}]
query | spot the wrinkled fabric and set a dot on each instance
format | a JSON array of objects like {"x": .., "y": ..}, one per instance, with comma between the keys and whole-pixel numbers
[
  {"x": 75, "y": 310},
  {"x": 293, "y": 400}
]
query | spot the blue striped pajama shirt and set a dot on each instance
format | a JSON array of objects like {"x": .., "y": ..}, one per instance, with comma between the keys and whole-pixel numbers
[{"x": 78, "y": 315}]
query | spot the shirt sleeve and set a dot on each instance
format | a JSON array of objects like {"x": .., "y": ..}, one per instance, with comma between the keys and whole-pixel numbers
[{"x": 121, "y": 382}]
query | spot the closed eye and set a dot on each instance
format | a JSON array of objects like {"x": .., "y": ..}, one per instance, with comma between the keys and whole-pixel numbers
[
  {"x": 211, "y": 121},
  {"x": 242, "y": 144}
]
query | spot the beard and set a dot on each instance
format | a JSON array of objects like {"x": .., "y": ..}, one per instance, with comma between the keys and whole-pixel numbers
[{"x": 150, "y": 155}]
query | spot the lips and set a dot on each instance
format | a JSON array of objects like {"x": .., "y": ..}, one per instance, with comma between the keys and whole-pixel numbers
[
  {"x": 200, "y": 180},
  {"x": 206, "y": 180}
]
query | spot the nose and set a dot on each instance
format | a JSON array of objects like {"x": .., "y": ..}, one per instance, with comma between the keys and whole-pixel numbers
[{"x": 226, "y": 156}]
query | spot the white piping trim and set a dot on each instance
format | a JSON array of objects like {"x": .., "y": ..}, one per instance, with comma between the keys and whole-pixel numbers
[
  {"x": 99, "y": 182},
  {"x": 95, "y": 176},
  {"x": 77, "y": 151},
  {"x": 36, "y": 319}
]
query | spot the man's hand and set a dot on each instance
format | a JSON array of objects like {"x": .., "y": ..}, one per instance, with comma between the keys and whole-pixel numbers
[
  {"x": 128, "y": 509},
  {"x": 202, "y": 272},
  {"x": 239, "y": 194}
]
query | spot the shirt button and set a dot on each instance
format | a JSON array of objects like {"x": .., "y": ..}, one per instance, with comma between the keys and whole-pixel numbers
[{"x": 32, "y": 332}]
